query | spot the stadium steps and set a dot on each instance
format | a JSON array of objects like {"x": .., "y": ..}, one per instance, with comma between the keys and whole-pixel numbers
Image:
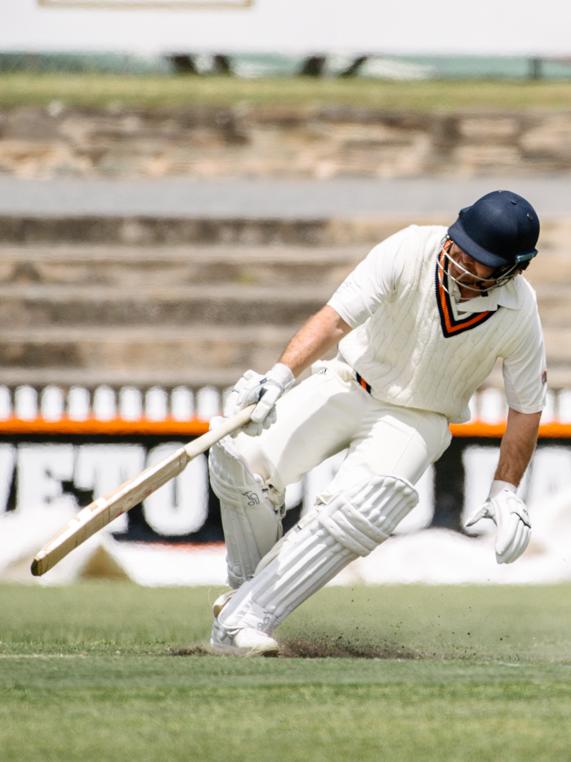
[
  {"x": 31, "y": 306},
  {"x": 196, "y": 315},
  {"x": 178, "y": 349},
  {"x": 130, "y": 267},
  {"x": 88, "y": 378}
]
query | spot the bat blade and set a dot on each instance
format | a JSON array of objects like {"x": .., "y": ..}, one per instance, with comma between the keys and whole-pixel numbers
[{"x": 105, "y": 509}]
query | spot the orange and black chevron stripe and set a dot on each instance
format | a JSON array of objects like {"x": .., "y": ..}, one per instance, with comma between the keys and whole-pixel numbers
[{"x": 450, "y": 325}]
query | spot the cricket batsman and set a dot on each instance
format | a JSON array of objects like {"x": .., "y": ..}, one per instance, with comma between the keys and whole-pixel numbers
[{"x": 419, "y": 325}]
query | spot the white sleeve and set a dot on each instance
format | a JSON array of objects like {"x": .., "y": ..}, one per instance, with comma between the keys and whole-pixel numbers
[
  {"x": 372, "y": 281},
  {"x": 524, "y": 370}
]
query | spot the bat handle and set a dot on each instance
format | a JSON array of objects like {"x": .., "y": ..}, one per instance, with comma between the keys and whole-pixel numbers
[{"x": 226, "y": 426}]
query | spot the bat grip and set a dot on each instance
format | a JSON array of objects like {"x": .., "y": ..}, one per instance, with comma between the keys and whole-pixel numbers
[{"x": 227, "y": 426}]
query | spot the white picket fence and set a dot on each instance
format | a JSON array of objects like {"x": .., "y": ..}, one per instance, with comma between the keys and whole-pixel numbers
[
  {"x": 129, "y": 403},
  {"x": 182, "y": 403}
]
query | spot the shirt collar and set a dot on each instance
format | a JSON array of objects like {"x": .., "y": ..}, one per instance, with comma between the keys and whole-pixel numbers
[{"x": 504, "y": 296}]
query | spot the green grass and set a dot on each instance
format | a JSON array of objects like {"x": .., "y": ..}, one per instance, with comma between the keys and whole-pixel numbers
[
  {"x": 99, "y": 90},
  {"x": 99, "y": 671}
]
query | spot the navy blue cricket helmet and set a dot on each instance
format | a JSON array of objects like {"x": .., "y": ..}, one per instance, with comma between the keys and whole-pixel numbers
[{"x": 499, "y": 230}]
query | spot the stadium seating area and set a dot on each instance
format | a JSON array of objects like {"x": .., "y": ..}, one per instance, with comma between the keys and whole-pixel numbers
[{"x": 194, "y": 316}]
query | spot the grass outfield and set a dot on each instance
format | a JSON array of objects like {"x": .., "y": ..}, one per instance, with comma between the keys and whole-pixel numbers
[
  {"x": 116, "y": 672},
  {"x": 155, "y": 91}
]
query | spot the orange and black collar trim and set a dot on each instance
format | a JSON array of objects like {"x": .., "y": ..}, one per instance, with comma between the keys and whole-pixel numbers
[
  {"x": 450, "y": 325},
  {"x": 362, "y": 383}
]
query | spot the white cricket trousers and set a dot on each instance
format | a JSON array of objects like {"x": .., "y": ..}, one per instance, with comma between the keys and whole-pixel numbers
[{"x": 330, "y": 411}]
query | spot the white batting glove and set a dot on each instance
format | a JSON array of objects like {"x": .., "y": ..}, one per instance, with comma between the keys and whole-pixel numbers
[
  {"x": 265, "y": 390},
  {"x": 243, "y": 393},
  {"x": 510, "y": 515}
]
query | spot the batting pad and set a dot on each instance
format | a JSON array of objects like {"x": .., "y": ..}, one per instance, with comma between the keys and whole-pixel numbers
[
  {"x": 350, "y": 524},
  {"x": 250, "y": 521}
]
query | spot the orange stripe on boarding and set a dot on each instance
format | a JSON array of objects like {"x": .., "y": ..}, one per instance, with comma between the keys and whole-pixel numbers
[
  {"x": 116, "y": 426},
  {"x": 481, "y": 429},
  {"x": 197, "y": 426}
]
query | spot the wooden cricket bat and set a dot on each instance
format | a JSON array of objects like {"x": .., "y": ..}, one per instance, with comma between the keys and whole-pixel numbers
[{"x": 102, "y": 511}]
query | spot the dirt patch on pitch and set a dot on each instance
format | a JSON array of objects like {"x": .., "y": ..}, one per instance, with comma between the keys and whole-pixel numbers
[
  {"x": 191, "y": 651},
  {"x": 301, "y": 648}
]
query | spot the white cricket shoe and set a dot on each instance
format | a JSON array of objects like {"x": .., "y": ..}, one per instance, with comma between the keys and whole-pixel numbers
[
  {"x": 245, "y": 641},
  {"x": 220, "y": 602}
]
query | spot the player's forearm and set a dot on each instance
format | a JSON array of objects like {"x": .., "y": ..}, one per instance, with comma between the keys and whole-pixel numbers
[
  {"x": 321, "y": 332},
  {"x": 518, "y": 444}
]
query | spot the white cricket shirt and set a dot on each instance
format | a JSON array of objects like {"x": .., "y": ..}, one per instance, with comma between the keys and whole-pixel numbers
[{"x": 418, "y": 347}]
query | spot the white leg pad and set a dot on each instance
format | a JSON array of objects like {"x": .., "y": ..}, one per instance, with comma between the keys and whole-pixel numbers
[
  {"x": 250, "y": 520},
  {"x": 348, "y": 525}
]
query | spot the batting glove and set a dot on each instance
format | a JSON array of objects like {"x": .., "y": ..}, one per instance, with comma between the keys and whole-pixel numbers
[
  {"x": 510, "y": 515},
  {"x": 265, "y": 390}
]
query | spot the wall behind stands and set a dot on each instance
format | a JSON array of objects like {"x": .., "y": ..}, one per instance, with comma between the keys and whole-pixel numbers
[
  {"x": 295, "y": 27},
  {"x": 58, "y": 451}
]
